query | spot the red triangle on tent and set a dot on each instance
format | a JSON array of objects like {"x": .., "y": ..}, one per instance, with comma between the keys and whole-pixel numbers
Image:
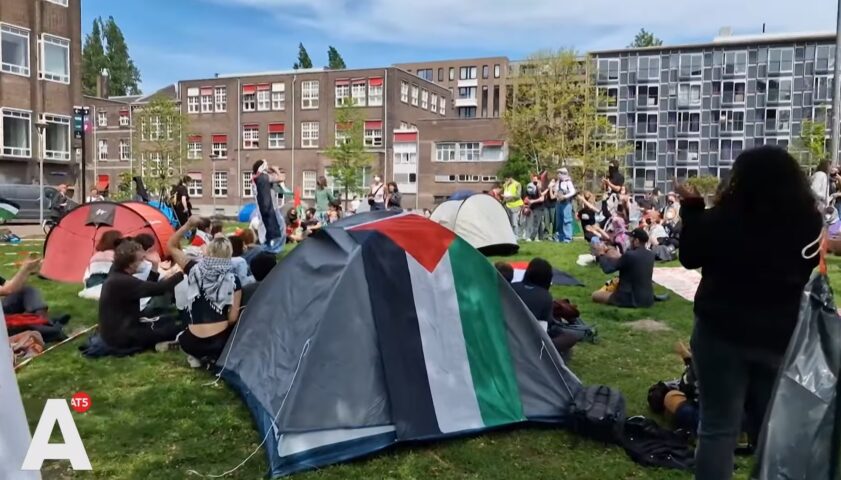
[{"x": 424, "y": 240}]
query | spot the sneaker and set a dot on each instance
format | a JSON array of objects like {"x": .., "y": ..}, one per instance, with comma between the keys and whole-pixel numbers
[
  {"x": 193, "y": 361},
  {"x": 162, "y": 347}
]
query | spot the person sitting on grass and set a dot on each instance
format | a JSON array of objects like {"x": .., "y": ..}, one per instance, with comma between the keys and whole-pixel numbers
[
  {"x": 241, "y": 267},
  {"x": 18, "y": 297},
  {"x": 121, "y": 325},
  {"x": 636, "y": 269},
  {"x": 506, "y": 270},
  {"x": 103, "y": 258},
  {"x": 202, "y": 235},
  {"x": 249, "y": 243},
  {"x": 261, "y": 266},
  {"x": 216, "y": 228},
  {"x": 214, "y": 296}
]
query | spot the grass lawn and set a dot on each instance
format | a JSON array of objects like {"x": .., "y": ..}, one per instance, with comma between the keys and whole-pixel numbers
[{"x": 154, "y": 417}]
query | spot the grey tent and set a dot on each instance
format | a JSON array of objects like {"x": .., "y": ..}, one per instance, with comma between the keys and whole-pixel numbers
[
  {"x": 404, "y": 332},
  {"x": 481, "y": 220}
]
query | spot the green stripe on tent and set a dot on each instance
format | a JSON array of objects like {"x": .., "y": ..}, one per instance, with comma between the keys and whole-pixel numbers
[
  {"x": 485, "y": 335},
  {"x": 8, "y": 211}
]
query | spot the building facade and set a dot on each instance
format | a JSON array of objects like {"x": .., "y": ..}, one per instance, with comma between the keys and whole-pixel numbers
[
  {"x": 690, "y": 110},
  {"x": 40, "y": 83}
]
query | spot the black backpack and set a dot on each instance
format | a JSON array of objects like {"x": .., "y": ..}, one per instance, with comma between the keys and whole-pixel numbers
[
  {"x": 650, "y": 445},
  {"x": 598, "y": 412}
]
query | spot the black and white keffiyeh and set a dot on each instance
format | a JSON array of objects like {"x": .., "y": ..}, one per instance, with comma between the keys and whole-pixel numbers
[{"x": 214, "y": 280}]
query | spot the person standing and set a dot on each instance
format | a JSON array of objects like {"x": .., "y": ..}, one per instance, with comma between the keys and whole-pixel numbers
[
  {"x": 183, "y": 208},
  {"x": 94, "y": 196},
  {"x": 563, "y": 212},
  {"x": 613, "y": 183},
  {"x": 747, "y": 304},
  {"x": 376, "y": 195},
  {"x": 323, "y": 199},
  {"x": 820, "y": 185},
  {"x": 534, "y": 201},
  {"x": 549, "y": 203},
  {"x": 393, "y": 197},
  {"x": 264, "y": 177},
  {"x": 512, "y": 195}
]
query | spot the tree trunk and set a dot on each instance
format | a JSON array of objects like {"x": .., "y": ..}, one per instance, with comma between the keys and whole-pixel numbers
[{"x": 346, "y": 202}]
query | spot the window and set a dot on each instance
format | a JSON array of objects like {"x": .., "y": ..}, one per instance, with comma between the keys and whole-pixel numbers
[
  {"x": 689, "y": 122},
  {"x": 823, "y": 89},
  {"x": 277, "y": 136},
  {"x": 264, "y": 95},
  {"x": 779, "y": 90},
  {"x": 342, "y": 134},
  {"x": 124, "y": 150},
  {"x": 194, "y": 188},
  {"x": 250, "y": 137},
  {"x": 687, "y": 150},
  {"x": 206, "y": 99},
  {"x": 309, "y": 184},
  {"x": 452, "y": 74},
  {"x": 496, "y": 71},
  {"x": 607, "y": 97},
  {"x": 309, "y": 134},
  {"x": 445, "y": 152},
  {"x": 102, "y": 118},
  {"x": 14, "y": 46},
  {"x": 192, "y": 100},
  {"x": 55, "y": 58},
  {"x": 219, "y": 147},
  {"x": 729, "y": 149},
  {"x": 278, "y": 96},
  {"x": 16, "y": 132},
  {"x": 733, "y": 93},
  {"x": 645, "y": 150},
  {"x": 405, "y": 157},
  {"x": 415, "y": 95},
  {"x": 780, "y": 60},
  {"x": 424, "y": 99},
  {"x": 194, "y": 147},
  {"x": 375, "y": 92},
  {"x": 103, "y": 150},
  {"x": 358, "y": 93},
  {"x": 825, "y": 58},
  {"x": 220, "y": 95},
  {"x": 373, "y": 133},
  {"x": 124, "y": 118},
  {"x": 425, "y": 74},
  {"x": 467, "y": 112},
  {"x": 404, "y": 92},
  {"x": 607, "y": 124},
  {"x": 492, "y": 152},
  {"x": 342, "y": 92},
  {"x": 467, "y": 92},
  {"x": 777, "y": 119},
  {"x": 691, "y": 65},
  {"x": 645, "y": 179},
  {"x": 732, "y": 121},
  {"x": 309, "y": 94},
  {"x": 220, "y": 184},
  {"x": 469, "y": 152},
  {"x": 440, "y": 74},
  {"x": 608, "y": 70},
  {"x": 688, "y": 94},
  {"x": 822, "y": 114},
  {"x": 433, "y": 103},
  {"x": 648, "y": 68},
  {"x": 646, "y": 123},
  {"x": 247, "y": 191},
  {"x": 63, "y": 3},
  {"x": 735, "y": 63},
  {"x": 249, "y": 98},
  {"x": 57, "y": 137},
  {"x": 467, "y": 73},
  {"x": 442, "y": 106},
  {"x": 485, "y": 71},
  {"x": 647, "y": 96}
]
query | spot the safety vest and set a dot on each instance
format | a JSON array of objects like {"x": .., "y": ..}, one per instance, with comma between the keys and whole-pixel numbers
[{"x": 514, "y": 189}]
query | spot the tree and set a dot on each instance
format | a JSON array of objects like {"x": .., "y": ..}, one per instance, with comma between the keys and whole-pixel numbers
[
  {"x": 553, "y": 119},
  {"x": 124, "y": 76},
  {"x": 348, "y": 152},
  {"x": 303, "y": 58},
  {"x": 645, "y": 39},
  {"x": 518, "y": 167},
  {"x": 811, "y": 145},
  {"x": 159, "y": 144},
  {"x": 334, "y": 59},
  {"x": 706, "y": 185},
  {"x": 93, "y": 58}
]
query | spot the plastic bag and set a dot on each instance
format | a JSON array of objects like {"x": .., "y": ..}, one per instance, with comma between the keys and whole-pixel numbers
[{"x": 801, "y": 435}]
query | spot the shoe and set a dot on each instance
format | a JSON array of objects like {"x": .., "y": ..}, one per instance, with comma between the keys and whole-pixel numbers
[
  {"x": 193, "y": 361},
  {"x": 162, "y": 347}
]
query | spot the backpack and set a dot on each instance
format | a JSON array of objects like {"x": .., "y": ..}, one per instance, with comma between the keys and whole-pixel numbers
[
  {"x": 598, "y": 412},
  {"x": 650, "y": 445}
]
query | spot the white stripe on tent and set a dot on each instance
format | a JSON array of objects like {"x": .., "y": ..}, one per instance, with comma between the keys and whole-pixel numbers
[
  {"x": 9, "y": 207},
  {"x": 444, "y": 350},
  {"x": 292, "y": 443}
]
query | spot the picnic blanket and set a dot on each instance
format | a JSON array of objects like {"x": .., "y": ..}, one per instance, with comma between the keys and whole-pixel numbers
[{"x": 679, "y": 280}]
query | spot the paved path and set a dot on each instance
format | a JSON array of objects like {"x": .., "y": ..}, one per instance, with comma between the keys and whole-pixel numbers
[{"x": 26, "y": 231}]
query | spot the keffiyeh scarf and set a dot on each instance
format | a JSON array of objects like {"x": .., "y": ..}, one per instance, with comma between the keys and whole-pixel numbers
[{"x": 214, "y": 280}]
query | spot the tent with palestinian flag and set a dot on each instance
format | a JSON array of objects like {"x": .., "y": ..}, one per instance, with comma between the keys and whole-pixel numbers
[
  {"x": 386, "y": 328},
  {"x": 8, "y": 210}
]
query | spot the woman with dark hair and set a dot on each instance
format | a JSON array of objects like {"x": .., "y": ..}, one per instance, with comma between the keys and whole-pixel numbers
[
  {"x": 140, "y": 193},
  {"x": 392, "y": 197},
  {"x": 264, "y": 177},
  {"x": 820, "y": 184},
  {"x": 747, "y": 304},
  {"x": 183, "y": 208},
  {"x": 323, "y": 199},
  {"x": 100, "y": 263}
]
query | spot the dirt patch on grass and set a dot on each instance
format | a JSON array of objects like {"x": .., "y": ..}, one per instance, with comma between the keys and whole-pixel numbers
[{"x": 648, "y": 325}]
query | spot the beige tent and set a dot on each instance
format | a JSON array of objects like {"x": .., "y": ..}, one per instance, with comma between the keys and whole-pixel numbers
[{"x": 482, "y": 221}]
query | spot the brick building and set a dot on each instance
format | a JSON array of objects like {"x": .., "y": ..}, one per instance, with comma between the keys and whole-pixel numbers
[{"x": 40, "y": 82}]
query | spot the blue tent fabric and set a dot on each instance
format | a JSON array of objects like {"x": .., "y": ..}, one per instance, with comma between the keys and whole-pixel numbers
[
  {"x": 168, "y": 212},
  {"x": 245, "y": 212},
  {"x": 461, "y": 195}
]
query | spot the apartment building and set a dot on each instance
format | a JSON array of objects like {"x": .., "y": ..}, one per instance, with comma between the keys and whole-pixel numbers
[
  {"x": 40, "y": 82},
  {"x": 689, "y": 110}
]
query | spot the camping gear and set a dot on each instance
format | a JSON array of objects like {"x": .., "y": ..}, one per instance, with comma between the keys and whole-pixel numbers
[
  {"x": 650, "y": 445},
  {"x": 8, "y": 210},
  {"x": 71, "y": 243},
  {"x": 168, "y": 212},
  {"x": 403, "y": 332},
  {"x": 63, "y": 342},
  {"x": 245, "y": 212},
  {"x": 598, "y": 412},
  {"x": 480, "y": 220},
  {"x": 26, "y": 345},
  {"x": 462, "y": 195},
  {"x": 803, "y": 429},
  {"x": 559, "y": 278}
]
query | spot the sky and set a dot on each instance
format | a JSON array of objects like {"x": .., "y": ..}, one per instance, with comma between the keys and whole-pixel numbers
[{"x": 173, "y": 40}]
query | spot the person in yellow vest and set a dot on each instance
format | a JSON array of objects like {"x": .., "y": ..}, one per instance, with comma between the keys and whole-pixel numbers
[{"x": 512, "y": 196}]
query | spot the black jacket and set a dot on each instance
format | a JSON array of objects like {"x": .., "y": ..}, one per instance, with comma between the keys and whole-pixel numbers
[
  {"x": 752, "y": 275},
  {"x": 635, "y": 267}
]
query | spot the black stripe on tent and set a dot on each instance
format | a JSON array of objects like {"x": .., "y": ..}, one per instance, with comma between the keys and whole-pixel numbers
[{"x": 401, "y": 350}]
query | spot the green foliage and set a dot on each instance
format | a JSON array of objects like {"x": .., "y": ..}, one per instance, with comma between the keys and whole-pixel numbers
[
  {"x": 705, "y": 184},
  {"x": 334, "y": 59},
  {"x": 303, "y": 58},
  {"x": 160, "y": 143},
  {"x": 123, "y": 75},
  {"x": 349, "y": 156},
  {"x": 810, "y": 147},
  {"x": 645, "y": 39},
  {"x": 125, "y": 188},
  {"x": 518, "y": 167},
  {"x": 93, "y": 58}
]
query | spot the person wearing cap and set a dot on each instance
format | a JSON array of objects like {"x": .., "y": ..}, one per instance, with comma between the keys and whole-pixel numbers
[
  {"x": 564, "y": 193},
  {"x": 635, "y": 267}
]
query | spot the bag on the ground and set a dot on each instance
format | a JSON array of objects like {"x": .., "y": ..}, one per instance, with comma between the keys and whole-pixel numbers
[
  {"x": 564, "y": 310},
  {"x": 598, "y": 412},
  {"x": 575, "y": 327},
  {"x": 650, "y": 445},
  {"x": 664, "y": 253}
]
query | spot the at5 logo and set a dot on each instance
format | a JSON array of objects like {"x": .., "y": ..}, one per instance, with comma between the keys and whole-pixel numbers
[{"x": 57, "y": 411}]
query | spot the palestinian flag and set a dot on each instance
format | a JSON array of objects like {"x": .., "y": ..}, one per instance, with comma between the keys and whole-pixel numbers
[
  {"x": 558, "y": 277},
  {"x": 443, "y": 377},
  {"x": 8, "y": 210}
]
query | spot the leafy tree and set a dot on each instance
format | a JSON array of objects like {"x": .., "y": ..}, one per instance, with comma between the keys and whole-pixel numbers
[
  {"x": 553, "y": 119},
  {"x": 303, "y": 58},
  {"x": 159, "y": 143},
  {"x": 518, "y": 167},
  {"x": 706, "y": 185},
  {"x": 93, "y": 58},
  {"x": 334, "y": 59},
  {"x": 348, "y": 154},
  {"x": 124, "y": 77},
  {"x": 645, "y": 39},
  {"x": 810, "y": 147}
]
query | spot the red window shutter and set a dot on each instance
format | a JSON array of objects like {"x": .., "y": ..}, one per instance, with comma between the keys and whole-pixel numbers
[
  {"x": 375, "y": 82},
  {"x": 207, "y": 90},
  {"x": 249, "y": 89},
  {"x": 195, "y": 176},
  {"x": 493, "y": 143},
  {"x": 264, "y": 86},
  {"x": 124, "y": 111},
  {"x": 406, "y": 137},
  {"x": 276, "y": 128},
  {"x": 373, "y": 124},
  {"x": 194, "y": 139},
  {"x": 342, "y": 82},
  {"x": 252, "y": 125},
  {"x": 220, "y": 139}
]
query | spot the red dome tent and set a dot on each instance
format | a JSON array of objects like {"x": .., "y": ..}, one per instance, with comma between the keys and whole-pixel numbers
[{"x": 71, "y": 243}]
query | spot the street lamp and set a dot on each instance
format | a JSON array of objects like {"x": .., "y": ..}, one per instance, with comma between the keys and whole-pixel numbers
[{"x": 42, "y": 127}]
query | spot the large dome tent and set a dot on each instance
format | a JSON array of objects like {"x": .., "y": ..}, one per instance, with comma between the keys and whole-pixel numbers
[
  {"x": 481, "y": 220},
  {"x": 71, "y": 243}
]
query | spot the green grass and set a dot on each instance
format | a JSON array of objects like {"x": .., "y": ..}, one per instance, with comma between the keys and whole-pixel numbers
[{"x": 153, "y": 417}]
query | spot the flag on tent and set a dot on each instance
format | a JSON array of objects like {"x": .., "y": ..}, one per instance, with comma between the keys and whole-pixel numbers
[
  {"x": 559, "y": 277},
  {"x": 8, "y": 210}
]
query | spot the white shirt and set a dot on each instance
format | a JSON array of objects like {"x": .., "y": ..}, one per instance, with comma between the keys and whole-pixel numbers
[{"x": 566, "y": 190}]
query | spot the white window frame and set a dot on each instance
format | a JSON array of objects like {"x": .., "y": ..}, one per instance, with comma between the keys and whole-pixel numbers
[
  {"x": 781, "y": 51},
  {"x": 647, "y": 115},
  {"x": 195, "y": 188},
  {"x": 124, "y": 119},
  {"x": 732, "y": 156},
  {"x": 830, "y": 49},
  {"x": 19, "y": 152},
  {"x": 496, "y": 70},
  {"x": 63, "y": 120},
  {"x": 689, "y": 86},
  {"x": 446, "y": 151},
  {"x": 310, "y": 134},
  {"x": 404, "y": 92},
  {"x": 442, "y": 106},
  {"x": 206, "y": 103},
  {"x": 603, "y": 97},
  {"x": 691, "y": 57},
  {"x": 14, "y": 30},
  {"x": 688, "y": 121},
  {"x": 57, "y": 41},
  {"x": 249, "y": 102},
  {"x": 309, "y": 94},
  {"x": 827, "y": 79},
  {"x": 734, "y": 83},
  {"x": 373, "y": 137},
  {"x": 359, "y": 93},
  {"x": 645, "y": 171},
  {"x": 264, "y": 100},
  {"x": 647, "y": 69},
  {"x": 469, "y": 152},
  {"x": 342, "y": 93},
  {"x": 827, "y": 114},
  {"x": 220, "y": 98},
  {"x": 308, "y": 183},
  {"x": 102, "y": 150},
  {"x": 727, "y": 117},
  {"x": 735, "y": 54},
  {"x": 645, "y": 91},
  {"x": 125, "y": 150},
  {"x": 608, "y": 62},
  {"x": 341, "y": 136},
  {"x": 194, "y": 150},
  {"x": 424, "y": 99},
  {"x": 101, "y": 118},
  {"x": 779, "y": 81},
  {"x": 415, "y": 94},
  {"x": 192, "y": 104},
  {"x": 433, "y": 102},
  {"x": 644, "y": 158},
  {"x": 63, "y": 3},
  {"x": 277, "y": 140},
  {"x": 247, "y": 185},
  {"x": 250, "y": 137},
  {"x": 279, "y": 96},
  {"x": 219, "y": 151},
  {"x": 689, "y": 142},
  {"x": 777, "y": 128},
  {"x": 220, "y": 184},
  {"x": 375, "y": 95}
]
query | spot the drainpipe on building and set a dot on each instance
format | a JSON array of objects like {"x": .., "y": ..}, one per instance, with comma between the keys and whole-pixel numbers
[
  {"x": 836, "y": 86},
  {"x": 293, "y": 103},
  {"x": 417, "y": 170},
  {"x": 96, "y": 144},
  {"x": 239, "y": 143},
  {"x": 386, "y": 132}
]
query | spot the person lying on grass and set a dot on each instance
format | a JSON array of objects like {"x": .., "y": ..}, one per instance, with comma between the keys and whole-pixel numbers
[
  {"x": 636, "y": 269},
  {"x": 18, "y": 297},
  {"x": 214, "y": 296}
]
